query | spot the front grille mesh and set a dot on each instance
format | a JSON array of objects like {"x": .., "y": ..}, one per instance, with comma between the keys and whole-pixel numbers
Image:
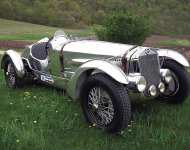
[{"x": 150, "y": 68}]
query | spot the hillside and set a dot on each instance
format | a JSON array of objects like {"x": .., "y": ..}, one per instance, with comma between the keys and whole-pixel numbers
[
  {"x": 16, "y": 30},
  {"x": 167, "y": 17}
]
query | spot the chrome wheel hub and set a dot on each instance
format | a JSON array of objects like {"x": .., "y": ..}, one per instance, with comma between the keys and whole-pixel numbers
[{"x": 173, "y": 86}]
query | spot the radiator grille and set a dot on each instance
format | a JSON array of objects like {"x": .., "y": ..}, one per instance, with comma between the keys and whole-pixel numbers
[{"x": 150, "y": 68}]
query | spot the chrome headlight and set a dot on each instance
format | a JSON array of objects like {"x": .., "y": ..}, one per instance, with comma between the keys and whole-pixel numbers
[
  {"x": 152, "y": 90},
  {"x": 138, "y": 80},
  {"x": 161, "y": 87},
  {"x": 141, "y": 84},
  {"x": 166, "y": 74}
]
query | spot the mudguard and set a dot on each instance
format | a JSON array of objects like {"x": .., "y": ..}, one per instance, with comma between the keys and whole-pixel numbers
[
  {"x": 99, "y": 66},
  {"x": 174, "y": 55},
  {"x": 17, "y": 61}
]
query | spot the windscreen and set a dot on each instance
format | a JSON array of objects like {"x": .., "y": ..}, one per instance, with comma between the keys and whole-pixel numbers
[{"x": 59, "y": 33}]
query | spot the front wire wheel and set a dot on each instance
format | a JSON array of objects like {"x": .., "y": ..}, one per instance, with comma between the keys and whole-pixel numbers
[
  {"x": 178, "y": 89},
  {"x": 173, "y": 87},
  {"x": 100, "y": 106},
  {"x": 105, "y": 103}
]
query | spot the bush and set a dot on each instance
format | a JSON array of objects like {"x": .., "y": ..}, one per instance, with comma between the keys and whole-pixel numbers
[{"x": 124, "y": 28}]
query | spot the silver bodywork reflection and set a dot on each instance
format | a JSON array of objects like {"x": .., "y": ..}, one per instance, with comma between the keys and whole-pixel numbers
[
  {"x": 95, "y": 66},
  {"x": 69, "y": 63}
]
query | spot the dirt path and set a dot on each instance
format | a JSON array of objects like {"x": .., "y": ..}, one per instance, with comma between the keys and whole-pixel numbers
[{"x": 13, "y": 44}]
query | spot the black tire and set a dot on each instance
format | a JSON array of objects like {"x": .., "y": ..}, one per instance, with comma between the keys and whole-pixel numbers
[
  {"x": 119, "y": 97},
  {"x": 183, "y": 79},
  {"x": 18, "y": 82}
]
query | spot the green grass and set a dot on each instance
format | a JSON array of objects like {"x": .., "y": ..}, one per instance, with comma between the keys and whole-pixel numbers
[
  {"x": 40, "y": 118},
  {"x": 176, "y": 42},
  {"x": 15, "y": 30},
  {"x": 37, "y": 118}
]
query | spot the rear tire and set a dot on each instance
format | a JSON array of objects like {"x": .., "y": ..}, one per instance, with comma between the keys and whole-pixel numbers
[
  {"x": 182, "y": 83},
  {"x": 12, "y": 80},
  {"x": 113, "y": 102}
]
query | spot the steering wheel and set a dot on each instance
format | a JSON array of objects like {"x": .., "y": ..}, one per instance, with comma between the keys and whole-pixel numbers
[{"x": 47, "y": 43}]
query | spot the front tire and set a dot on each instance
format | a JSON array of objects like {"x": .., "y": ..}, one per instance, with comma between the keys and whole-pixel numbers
[
  {"x": 105, "y": 103},
  {"x": 12, "y": 80},
  {"x": 181, "y": 83}
]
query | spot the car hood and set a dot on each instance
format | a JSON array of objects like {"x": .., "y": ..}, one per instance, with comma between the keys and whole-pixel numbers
[{"x": 97, "y": 47}]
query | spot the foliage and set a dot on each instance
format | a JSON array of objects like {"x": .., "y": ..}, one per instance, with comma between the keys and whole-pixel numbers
[
  {"x": 167, "y": 17},
  {"x": 124, "y": 28}
]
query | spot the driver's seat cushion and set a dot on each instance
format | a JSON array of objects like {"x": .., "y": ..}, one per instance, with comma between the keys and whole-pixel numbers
[{"x": 39, "y": 51}]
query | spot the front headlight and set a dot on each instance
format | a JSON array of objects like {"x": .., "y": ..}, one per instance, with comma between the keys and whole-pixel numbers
[
  {"x": 166, "y": 74},
  {"x": 138, "y": 80},
  {"x": 161, "y": 87},
  {"x": 141, "y": 84}
]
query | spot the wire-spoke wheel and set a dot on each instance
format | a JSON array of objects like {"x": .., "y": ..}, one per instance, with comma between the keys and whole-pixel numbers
[
  {"x": 100, "y": 106},
  {"x": 178, "y": 89},
  {"x": 105, "y": 103},
  {"x": 10, "y": 74},
  {"x": 12, "y": 80}
]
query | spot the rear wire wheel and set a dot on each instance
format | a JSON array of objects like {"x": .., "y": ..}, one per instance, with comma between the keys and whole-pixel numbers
[{"x": 12, "y": 80}]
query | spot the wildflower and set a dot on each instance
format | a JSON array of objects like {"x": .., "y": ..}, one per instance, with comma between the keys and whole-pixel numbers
[
  {"x": 129, "y": 130},
  {"x": 35, "y": 121},
  {"x": 17, "y": 141},
  {"x": 26, "y": 94},
  {"x": 75, "y": 114},
  {"x": 93, "y": 124},
  {"x": 27, "y": 106},
  {"x": 34, "y": 97},
  {"x": 56, "y": 111},
  {"x": 11, "y": 103}
]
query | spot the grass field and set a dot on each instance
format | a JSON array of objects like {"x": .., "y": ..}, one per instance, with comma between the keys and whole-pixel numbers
[
  {"x": 41, "y": 118},
  {"x": 14, "y": 30}
]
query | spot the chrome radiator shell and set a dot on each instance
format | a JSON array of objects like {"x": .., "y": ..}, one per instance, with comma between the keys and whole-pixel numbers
[{"x": 149, "y": 66}]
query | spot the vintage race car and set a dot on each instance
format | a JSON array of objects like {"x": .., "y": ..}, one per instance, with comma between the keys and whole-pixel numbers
[{"x": 100, "y": 74}]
